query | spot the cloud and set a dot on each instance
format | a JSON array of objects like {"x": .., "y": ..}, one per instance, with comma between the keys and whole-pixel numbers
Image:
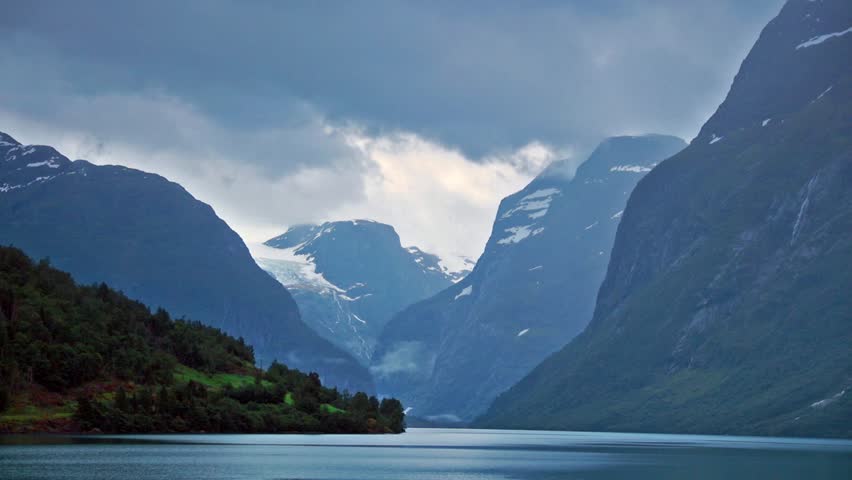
[
  {"x": 210, "y": 162},
  {"x": 408, "y": 358},
  {"x": 444, "y": 418},
  {"x": 462, "y": 74},
  {"x": 418, "y": 114},
  {"x": 434, "y": 196}
]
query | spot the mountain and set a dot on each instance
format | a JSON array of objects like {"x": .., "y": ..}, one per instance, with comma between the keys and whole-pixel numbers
[
  {"x": 76, "y": 358},
  {"x": 532, "y": 290},
  {"x": 726, "y": 306},
  {"x": 350, "y": 277},
  {"x": 150, "y": 238}
]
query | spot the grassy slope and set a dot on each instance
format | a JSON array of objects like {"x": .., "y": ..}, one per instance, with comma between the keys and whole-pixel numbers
[{"x": 40, "y": 410}]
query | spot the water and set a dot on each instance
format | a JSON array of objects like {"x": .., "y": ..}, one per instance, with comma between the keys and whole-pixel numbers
[{"x": 422, "y": 454}]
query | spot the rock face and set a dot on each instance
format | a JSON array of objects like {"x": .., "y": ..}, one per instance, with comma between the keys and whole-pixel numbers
[
  {"x": 147, "y": 236},
  {"x": 350, "y": 277},
  {"x": 726, "y": 306},
  {"x": 532, "y": 290}
]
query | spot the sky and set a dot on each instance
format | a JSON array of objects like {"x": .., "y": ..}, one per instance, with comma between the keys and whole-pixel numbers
[{"x": 422, "y": 115}]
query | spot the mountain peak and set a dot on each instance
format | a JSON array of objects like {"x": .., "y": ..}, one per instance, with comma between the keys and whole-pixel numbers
[
  {"x": 616, "y": 164},
  {"x": 628, "y": 154},
  {"x": 350, "y": 276},
  {"x": 725, "y": 306},
  {"x": 795, "y": 62},
  {"x": 7, "y": 140},
  {"x": 193, "y": 264},
  {"x": 25, "y": 166},
  {"x": 301, "y": 234}
]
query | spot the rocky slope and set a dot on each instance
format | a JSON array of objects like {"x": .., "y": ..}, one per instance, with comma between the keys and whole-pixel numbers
[
  {"x": 726, "y": 306},
  {"x": 532, "y": 290}
]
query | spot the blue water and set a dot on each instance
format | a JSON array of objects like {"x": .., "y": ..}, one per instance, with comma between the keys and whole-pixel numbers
[{"x": 423, "y": 454}]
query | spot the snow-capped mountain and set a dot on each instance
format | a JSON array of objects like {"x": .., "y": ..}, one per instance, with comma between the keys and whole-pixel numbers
[
  {"x": 350, "y": 277},
  {"x": 532, "y": 290},
  {"x": 148, "y": 237},
  {"x": 455, "y": 268},
  {"x": 28, "y": 165}
]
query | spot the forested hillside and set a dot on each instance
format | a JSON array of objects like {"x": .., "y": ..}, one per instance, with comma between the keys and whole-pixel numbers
[
  {"x": 150, "y": 238},
  {"x": 87, "y": 358}
]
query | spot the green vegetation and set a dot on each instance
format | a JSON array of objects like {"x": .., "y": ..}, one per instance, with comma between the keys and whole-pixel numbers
[
  {"x": 184, "y": 374},
  {"x": 327, "y": 408},
  {"x": 75, "y": 358}
]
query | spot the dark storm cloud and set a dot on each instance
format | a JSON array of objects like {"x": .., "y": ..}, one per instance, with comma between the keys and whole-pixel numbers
[
  {"x": 481, "y": 76},
  {"x": 419, "y": 114}
]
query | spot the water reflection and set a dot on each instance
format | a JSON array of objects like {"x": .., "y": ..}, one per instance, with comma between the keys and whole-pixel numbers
[{"x": 422, "y": 454}]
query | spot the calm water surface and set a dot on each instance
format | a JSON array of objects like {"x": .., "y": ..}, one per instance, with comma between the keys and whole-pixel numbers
[{"x": 422, "y": 454}]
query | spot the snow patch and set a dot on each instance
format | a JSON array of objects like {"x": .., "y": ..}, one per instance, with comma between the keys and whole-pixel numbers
[
  {"x": 539, "y": 267},
  {"x": 523, "y": 332},
  {"x": 361, "y": 220},
  {"x": 797, "y": 227},
  {"x": 714, "y": 139},
  {"x": 765, "y": 122},
  {"x": 537, "y": 203},
  {"x": 465, "y": 292},
  {"x": 538, "y": 214},
  {"x": 827, "y": 401},
  {"x": 545, "y": 192},
  {"x": 821, "y": 38},
  {"x": 630, "y": 168},
  {"x": 517, "y": 234},
  {"x": 453, "y": 266},
  {"x": 456, "y": 265},
  {"x": 617, "y": 215},
  {"x": 823, "y": 93},
  {"x": 591, "y": 226},
  {"x": 49, "y": 163},
  {"x": 293, "y": 269},
  {"x": 7, "y": 188}
]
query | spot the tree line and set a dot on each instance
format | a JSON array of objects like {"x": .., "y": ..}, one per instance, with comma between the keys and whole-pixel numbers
[{"x": 120, "y": 363}]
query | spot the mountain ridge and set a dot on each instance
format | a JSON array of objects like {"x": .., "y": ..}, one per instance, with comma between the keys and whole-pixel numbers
[
  {"x": 727, "y": 311},
  {"x": 153, "y": 240},
  {"x": 530, "y": 292}
]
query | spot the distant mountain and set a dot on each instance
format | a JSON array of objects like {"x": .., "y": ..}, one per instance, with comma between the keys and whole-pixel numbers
[
  {"x": 532, "y": 290},
  {"x": 350, "y": 277},
  {"x": 727, "y": 307},
  {"x": 147, "y": 236}
]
